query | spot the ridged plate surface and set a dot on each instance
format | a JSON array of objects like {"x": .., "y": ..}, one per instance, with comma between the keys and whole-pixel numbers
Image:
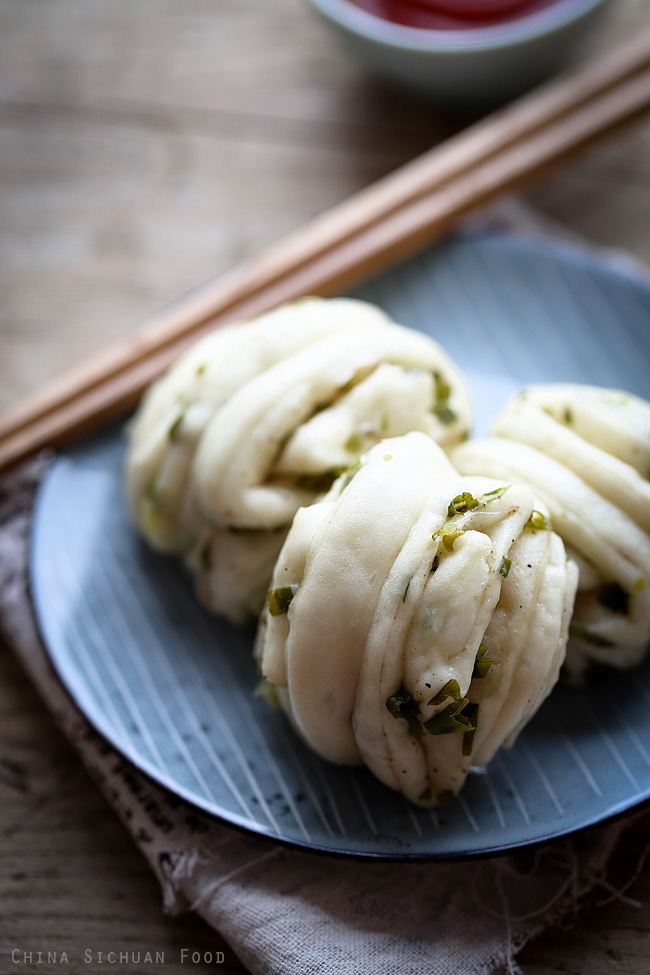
[{"x": 171, "y": 686}]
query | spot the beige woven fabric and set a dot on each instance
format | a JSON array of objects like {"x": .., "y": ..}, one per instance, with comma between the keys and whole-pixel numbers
[{"x": 290, "y": 912}]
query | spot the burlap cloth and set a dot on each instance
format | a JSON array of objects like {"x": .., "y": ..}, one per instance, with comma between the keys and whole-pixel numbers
[{"x": 290, "y": 912}]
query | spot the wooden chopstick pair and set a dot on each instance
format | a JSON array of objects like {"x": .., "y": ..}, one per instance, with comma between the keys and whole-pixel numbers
[{"x": 382, "y": 224}]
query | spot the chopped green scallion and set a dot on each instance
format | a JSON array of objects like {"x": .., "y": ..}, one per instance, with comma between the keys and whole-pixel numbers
[
  {"x": 467, "y": 502},
  {"x": 445, "y": 414},
  {"x": 450, "y": 689},
  {"x": 450, "y": 720},
  {"x": 504, "y": 567},
  {"x": 471, "y": 713},
  {"x": 403, "y": 705},
  {"x": 493, "y": 495},
  {"x": 448, "y": 536},
  {"x": 269, "y": 692},
  {"x": 280, "y": 599},
  {"x": 442, "y": 388},
  {"x": 176, "y": 425},
  {"x": 462, "y": 502},
  {"x": 538, "y": 522},
  {"x": 442, "y": 392},
  {"x": 425, "y": 795},
  {"x": 318, "y": 482},
  {"x": 354, "y": 443},
  {"x": 638, "y": 586},
  {"x": 482, "y": 663}
]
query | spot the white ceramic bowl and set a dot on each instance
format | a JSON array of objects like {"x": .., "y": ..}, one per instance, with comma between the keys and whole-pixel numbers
[{"x": 473, "y": 67}]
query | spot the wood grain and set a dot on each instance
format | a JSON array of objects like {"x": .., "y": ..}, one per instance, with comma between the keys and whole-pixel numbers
[
  {"x": 71, "y": 878},
  {"x": 375, "y": 228},
  {"x": 146, "y": 147}
]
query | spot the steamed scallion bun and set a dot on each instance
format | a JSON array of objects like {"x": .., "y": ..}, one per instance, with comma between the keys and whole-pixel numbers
[
  {"x": 585, "y": 451},
  {"x": 258, "y": 419},
  {"x": 415, "y": 621}
]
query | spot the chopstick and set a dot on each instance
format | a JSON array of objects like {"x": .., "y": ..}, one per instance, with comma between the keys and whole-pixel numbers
[
  {"x": 416, "y": 179},
  {"x": 384, "y": 223}
]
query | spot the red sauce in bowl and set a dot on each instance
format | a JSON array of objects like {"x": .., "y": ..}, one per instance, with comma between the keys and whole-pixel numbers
[{"x": 451, "y": 14}]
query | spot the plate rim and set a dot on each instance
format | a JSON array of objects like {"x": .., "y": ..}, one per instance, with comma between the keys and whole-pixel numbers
[{"x": 585, "y": 256}]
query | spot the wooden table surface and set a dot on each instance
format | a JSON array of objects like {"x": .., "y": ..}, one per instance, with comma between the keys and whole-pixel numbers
[{"x": 146, "y": 146}]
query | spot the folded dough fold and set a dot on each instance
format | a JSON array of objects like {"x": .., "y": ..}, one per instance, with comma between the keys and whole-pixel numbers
[
  {"x": 383, "y": 599},
  {"x": 585, "y": 452},
  {"x": 258, "y": 419}
]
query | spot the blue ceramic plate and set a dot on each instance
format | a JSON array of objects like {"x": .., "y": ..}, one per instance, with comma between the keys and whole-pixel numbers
[{"x": 171, "y": 686}]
